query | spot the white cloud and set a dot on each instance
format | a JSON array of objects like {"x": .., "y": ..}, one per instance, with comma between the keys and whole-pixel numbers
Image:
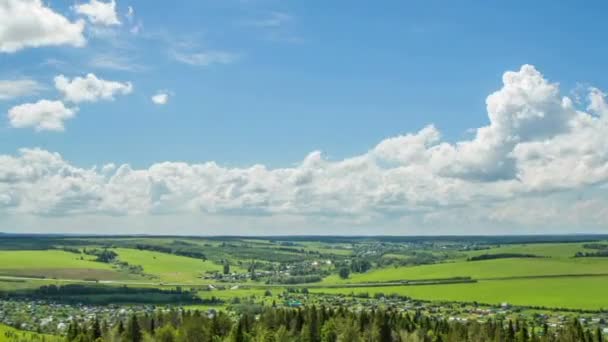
[
  {"x": 43, "y": 115},
  {"x": 112, "y": 62},
  {"x": 10, "y": 89},
  {"x": 540, "y": 160},
  {"x": 527, "y": 108},
  {"x": 205, "y": 58},
  {"x": 273, "y": 19},
  {"x": 30, "y": 23},
  {"x": 130, "y": 13},
  {"x": 160, "y": 98},
  {"x": 99, "y": 12},
  {"x": 90, "y": 88}
]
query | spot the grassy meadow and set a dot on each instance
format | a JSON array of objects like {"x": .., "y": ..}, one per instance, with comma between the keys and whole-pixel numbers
[
  {"x": 564, "y": 292},
  {"x": 551, "y": 250},
  {"x": 486, "y": 269},
  {"x": 554, "y": 279},
  {"x": 167, "y": 267},
  {"x": 55, "y": 264},
  {"x": 9, "y": 334}
]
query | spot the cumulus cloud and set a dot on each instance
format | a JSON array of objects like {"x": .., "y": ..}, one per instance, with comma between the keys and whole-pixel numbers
[
  {"x": 90, "y": 88},
  {"x": 160, "y": 98},
  {"x": 10, "y": 89},
  {"x": 30, "y": 23},
  {"x": 527, "y": 108},
  {"x": 537, "y": 145},
  {"x": 43, "y": 115},
  {"x": 99, "y": 12}
]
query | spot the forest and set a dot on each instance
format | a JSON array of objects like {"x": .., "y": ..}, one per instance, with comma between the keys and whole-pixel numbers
[{"x": 319, "y": 324}]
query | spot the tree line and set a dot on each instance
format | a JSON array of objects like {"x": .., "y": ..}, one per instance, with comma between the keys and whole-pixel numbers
[
  {"x": 501, "y": 256},
  {"x": 320, "y": 324}
]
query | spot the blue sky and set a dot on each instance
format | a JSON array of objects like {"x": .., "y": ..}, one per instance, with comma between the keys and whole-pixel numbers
[{"x": 268, "y": 82}]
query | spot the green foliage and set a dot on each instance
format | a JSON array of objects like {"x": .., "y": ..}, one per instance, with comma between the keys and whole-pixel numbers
[
  {"x": 133, "y": 331},
  {"x": 344, "y": 273},
  {"x": 501, "y": 256},
  {"x": 102, "y": 255},
  {"x": 323, "y": 324},
  {"x": 100, "y": 294}
]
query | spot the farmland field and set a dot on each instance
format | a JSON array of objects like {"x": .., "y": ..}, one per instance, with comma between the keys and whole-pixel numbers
[
  {"x": 565, "y": 292},
  {"x": 486, "y": 269},
  {"x": 553, "y": 250},
  {"x": 265, "y": 272},
  {"x": 55, "y": 264},
  {"x": 167, "y": 267}
]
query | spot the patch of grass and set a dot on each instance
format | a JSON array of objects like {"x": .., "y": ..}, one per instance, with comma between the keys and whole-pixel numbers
[
  {"x": 565, "y": 292},
  {"x": 9, "y": 334}
]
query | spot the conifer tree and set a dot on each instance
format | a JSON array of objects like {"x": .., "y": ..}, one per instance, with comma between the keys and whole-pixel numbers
[{"x": 133, "y": 331}]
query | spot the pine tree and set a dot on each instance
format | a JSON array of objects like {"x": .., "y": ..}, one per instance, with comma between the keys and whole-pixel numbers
[
  {"x": 510, "y": 332},
  {"x": 238, "y": 335},
  {"x": 72, "y": 331},
  {"x": 121, "y": 328},
  {"x": 133, "y": 331},
  {"x": 152, "y": 326},
  {"x": 313, "y": 325},
  {"x": 95, "y": 330},
  {"x": 165, "y": 334},
  {"x": 329, "y": 332}
]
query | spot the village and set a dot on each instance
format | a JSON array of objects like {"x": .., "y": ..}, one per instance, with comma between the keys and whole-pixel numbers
[{"x": 54, "y": 318}]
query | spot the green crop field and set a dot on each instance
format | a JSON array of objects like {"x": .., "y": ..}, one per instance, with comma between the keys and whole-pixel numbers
[
  {"x": 55, "y": 264},
  {"x": 564, "y": 292},
  {"x": 486, "y": 269},
  {"x": 553, "y": 250},
  {"x": 168, "y": 267},
  {"x": 8, "y": 334}
]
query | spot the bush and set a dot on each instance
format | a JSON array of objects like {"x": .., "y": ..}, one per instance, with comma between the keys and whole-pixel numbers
[{"x": 344, "y": 273}]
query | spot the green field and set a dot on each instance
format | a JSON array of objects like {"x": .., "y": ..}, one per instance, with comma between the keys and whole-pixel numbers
[
  {"x": 168, "y": 267},
  {"x": 55, "y": 264},
  {"x": 556, "y": 279},
  {"x": 8, "y": 334},
  {"x": 553, "y": 250},
  {"x": 486, "y": 269},
  {"x": 567, "y": 292}
]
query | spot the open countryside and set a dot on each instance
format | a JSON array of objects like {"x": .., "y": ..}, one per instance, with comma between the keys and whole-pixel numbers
[
  {"x": 303, "y": 171},
  {"x": 518, "y": 277}
]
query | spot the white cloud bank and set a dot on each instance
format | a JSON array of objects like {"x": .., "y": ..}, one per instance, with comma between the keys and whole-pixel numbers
[
  {"x": 540, "y": 160},
  {"x": 30, "y": 23},
  {"x": 99, "y": 12}
]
